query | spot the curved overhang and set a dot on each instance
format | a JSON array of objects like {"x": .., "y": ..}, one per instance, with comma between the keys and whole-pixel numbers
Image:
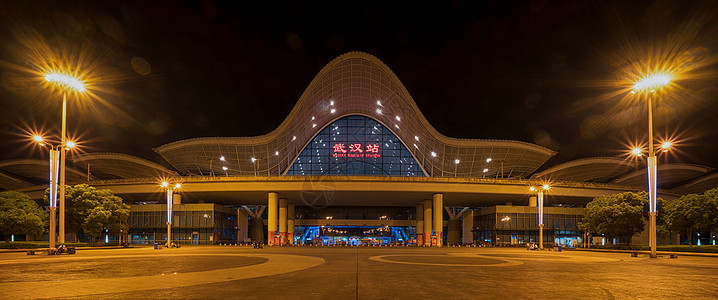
[
  {"x": 108, "y": 165},
  {"x": 699, "y": 185},
  {"x": 668, "y": 175},
  {"x": 594, "y": 169},
  {"x": 356, "y": 191},
  {"x": 8, "y": 182},
  {"x": 37, "y": 171},
  {"x": 355, "y": 83}
]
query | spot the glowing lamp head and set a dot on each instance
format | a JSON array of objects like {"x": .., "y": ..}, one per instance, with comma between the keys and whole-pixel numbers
[
  {"x": 665, "y": 146},
  {"x": 637, "y": 151},
  {"x": 652, "y": 82},
  {"x": 546, "y": 187},
  {"x": 165, "y": 184},
  {"x": 457, "y": 161},
  {"x": 224, "y": 168},
  {"x": 70, "y": 145},
  {"x": 221, "y": 158},
  {"x": 533, "y": 189},
  {"x": 486, "y": 170},
  {"x": 178, "y": 186},
  {"x": 38, "y": 139},
  {"x": 433, "y": 154},
  {"x": 488, "y": 160},
  {"x": 66, "y": 80}
]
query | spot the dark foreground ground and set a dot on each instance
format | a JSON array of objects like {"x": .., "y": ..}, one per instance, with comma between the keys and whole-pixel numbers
[{"x": 214, "y": 272}]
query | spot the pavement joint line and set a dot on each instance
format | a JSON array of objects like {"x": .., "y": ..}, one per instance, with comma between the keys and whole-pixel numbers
[
  {"x": 506, "y": 262},
  {"x": 276, "y": 264}
]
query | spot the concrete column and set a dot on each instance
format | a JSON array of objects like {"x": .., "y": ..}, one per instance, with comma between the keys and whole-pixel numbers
[
  {"x": 257, "y": 233},
  {"x": 420, "y": 225},
  {"x": 177, "y": 199},
  {"x": 467, "y": 236},
  {"x": 282, "y": 221},
  {"x": 290, "y": 223},
  {"x": 532, "y": 201},
  {"x": 427, "y": 223},
  {"x": 242, "y": 226},
  {"x": 272, "y": 217},
  {"x": 453, "y": 232},
  {"x": 439, "y": 218}
]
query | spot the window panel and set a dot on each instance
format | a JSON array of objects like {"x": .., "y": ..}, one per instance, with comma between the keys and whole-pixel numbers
[{"x": 355, "y": 145}]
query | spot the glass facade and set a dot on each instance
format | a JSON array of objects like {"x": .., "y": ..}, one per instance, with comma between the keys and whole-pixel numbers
[
  {"x": 191, "y": 224},
  {"x": 506, "y": 225},
  {"x": 355, "y": 145}
]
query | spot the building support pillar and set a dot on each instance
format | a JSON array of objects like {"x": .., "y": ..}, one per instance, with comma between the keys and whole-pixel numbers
[
  {"x": 272, "y": 218},
  {"x": 282, "y": 222},
  {"x": 290, "y": 223},
  {"x": 439, "y": 218},
  {"x": 467, "y": 234},
  {"x": 242, "y": 226},
  {"x": 420, "y": 225},
  {"x": 427, "y": 223}
]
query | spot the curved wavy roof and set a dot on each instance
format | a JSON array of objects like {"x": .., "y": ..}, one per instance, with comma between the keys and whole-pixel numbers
[
  {"x": 668, "y": 175},
  {"x": 9, "y": 182},
  {"x": 37, "y": 171},
  {"x": 699, "y": 185},
  {"x": 108, "y": 165},
  {"x": 355, "y": 83},
  {"x": 594, "y": 169}
]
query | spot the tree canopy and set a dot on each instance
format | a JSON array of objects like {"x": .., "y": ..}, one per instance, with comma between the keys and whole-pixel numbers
[
  {"x": 692, "y": 213},
  {"x": 21, "y": 215},
  {"x": 619, "y": 215},
  {"x": 93, "y": 211}
]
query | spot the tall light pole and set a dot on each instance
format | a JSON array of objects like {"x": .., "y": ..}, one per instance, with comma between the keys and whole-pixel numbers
[
  {"x": 646, "y": 86},
  {"x": 52, "y": 197},
  {"x": 540, "y": 192},
  {"x": 66, "y": 82},
  {"x": 170, "y": 192}
]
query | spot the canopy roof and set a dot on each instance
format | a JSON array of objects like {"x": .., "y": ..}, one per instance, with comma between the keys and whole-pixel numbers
[{"x": 355, "y": 83}]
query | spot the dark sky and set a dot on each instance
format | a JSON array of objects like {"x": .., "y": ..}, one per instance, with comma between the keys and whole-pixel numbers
[{"x": 551, "y": 73}]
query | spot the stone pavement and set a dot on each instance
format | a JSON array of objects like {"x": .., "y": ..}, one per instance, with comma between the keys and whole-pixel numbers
[{"x": 215, "y": 272}]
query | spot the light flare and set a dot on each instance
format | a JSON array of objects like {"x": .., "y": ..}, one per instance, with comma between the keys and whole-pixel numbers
[{"x": 66, "y": 80}]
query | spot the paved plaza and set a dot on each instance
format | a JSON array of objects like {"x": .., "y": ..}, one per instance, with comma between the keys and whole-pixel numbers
[{"x": 354, "y": 273}]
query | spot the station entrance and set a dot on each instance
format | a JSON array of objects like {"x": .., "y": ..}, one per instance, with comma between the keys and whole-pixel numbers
[{"x": 354, "y": 235}]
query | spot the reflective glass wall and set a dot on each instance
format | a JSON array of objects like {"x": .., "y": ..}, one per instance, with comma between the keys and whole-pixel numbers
[{"x": 355, "y": 145}]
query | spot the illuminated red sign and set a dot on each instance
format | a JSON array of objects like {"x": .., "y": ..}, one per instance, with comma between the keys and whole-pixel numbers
[{"x": 355, "y": 150}]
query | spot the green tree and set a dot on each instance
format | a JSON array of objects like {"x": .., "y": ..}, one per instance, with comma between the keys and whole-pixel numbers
[
  {"x": 689, "y": 214},
  {"x": 712, "y": 204},
  {"x": 21, "y": 215},
  {"x": 616, "y": 216},
  {"x": 93, "y": 211},
  {"x": 110, "y": 215}
]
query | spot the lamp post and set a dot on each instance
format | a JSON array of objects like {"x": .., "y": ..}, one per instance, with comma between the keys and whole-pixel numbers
[
  {"x": 52, "y": 197},
  {"x": 540, "y": 192},
  {"x": 645, "y": 86},
  {"x": 66, "y": 82},
  {"x": 170, "y": 191}
]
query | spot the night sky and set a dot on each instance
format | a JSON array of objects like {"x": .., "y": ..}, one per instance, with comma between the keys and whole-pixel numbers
[{"x": 552, "y": 73}]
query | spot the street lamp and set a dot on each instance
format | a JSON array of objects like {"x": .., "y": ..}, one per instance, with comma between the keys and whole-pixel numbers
[
  {"x": 170, "y": 192},
  {"x": 73, "y": 84},
  {"x": 52, "y": 197},
  {"x": 645, "y": 86},
  {"x": 540, "y": 192}
]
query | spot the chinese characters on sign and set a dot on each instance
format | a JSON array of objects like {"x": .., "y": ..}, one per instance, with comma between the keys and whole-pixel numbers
[{"x": 355, "y": 150}]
